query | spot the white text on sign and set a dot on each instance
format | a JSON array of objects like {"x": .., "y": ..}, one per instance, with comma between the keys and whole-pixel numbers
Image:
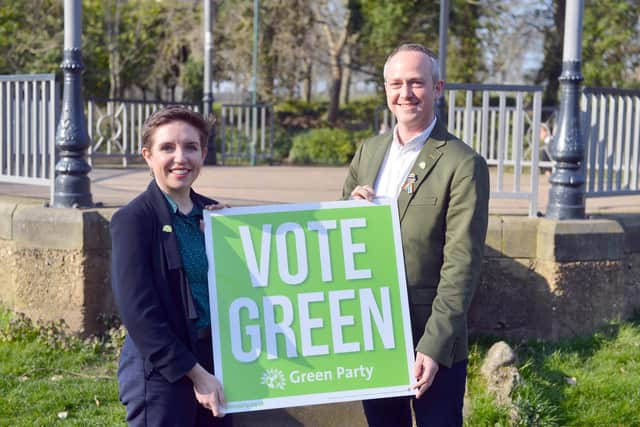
[
  {"x": 371, "y": 315},
  {"x": 254, "y": 322},
  {"x": 259, "y": 270}
]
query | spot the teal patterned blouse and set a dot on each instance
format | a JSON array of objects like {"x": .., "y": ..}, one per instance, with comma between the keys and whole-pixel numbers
[{"x": 194, "y": 257}]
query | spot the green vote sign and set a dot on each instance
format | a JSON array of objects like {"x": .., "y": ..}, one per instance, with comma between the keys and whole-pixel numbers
[{"x": 308, "y": 304}]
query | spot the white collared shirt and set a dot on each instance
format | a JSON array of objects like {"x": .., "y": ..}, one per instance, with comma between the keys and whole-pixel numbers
[{"x": 398, "y": 162}]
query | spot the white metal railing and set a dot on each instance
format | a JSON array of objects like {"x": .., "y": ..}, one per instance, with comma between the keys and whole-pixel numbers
[
  {"x": 246, "y": 132},
  {"x": 29, "y": 108},
  {"x": 502, "y": 123},
  {"x": 611, "y": 133},
  {"x": 115, "y": 125}
]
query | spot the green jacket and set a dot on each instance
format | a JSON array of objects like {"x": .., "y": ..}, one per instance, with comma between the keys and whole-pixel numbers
[{"x": 443, "y": 225}]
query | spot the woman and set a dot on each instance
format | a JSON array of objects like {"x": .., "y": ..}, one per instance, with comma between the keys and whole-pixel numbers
[{"x": 159, "y": 279}]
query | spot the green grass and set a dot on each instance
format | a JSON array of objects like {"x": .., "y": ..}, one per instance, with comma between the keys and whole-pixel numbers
[
  {"x": 483, "y": 412},
  {"x": 604, "y": 368},
  {"x": 44, "y": 372}
]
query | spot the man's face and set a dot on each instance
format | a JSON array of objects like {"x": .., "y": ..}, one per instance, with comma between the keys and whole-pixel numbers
[{"x": 411, "y": 92}]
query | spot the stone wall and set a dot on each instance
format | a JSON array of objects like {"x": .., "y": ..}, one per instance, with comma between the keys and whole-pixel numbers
[
  {"x": 552, "y": 279},
  {"x": 541, "y": 279},
  {"x": 56, "y": 263}
]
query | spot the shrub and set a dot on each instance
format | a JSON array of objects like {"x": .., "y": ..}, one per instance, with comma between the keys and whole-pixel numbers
[
  {"x": 298, "y": 115},
  {"x": 359, "y": 114},
  {"x": 281, "y": 143},
  {"x": 298, "y": 107},
  {"x": 325, "y": 146}
]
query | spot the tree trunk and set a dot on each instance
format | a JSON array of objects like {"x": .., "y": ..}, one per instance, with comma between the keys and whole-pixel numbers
[
  {"x": 268, "y": 62},
  {"x": 112, "y": 17},
  {"x": 346, "y": 76},
  {"x": 308, "y": 82},
  {"x": 336, "y": 35},
  {"x": 334, "y": 92},
  {"x": 115, "y": 87},
  {"x": 552, "y": 63}
]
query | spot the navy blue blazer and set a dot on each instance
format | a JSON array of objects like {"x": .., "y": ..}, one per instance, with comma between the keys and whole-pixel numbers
[{"x": 150, "y": 285}]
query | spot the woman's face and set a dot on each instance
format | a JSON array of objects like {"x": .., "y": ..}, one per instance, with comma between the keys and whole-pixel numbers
[{"x": 175, "y": 157}]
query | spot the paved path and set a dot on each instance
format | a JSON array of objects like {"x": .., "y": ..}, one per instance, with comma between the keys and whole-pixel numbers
[{"x": 243, "y": 185}]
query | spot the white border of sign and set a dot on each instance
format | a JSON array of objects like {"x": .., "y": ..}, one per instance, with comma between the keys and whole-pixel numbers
[{"x": 317, "y": 398}]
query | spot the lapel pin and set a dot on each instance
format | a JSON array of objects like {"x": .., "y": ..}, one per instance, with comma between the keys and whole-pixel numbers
[
  {"x": 422, "y": 165},
  {"x": 167, "y": 228},
  {"x": 410, "y": 183}
]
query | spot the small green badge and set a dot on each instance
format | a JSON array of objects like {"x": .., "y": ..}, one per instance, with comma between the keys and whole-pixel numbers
[{"x": 167, "y": 228}]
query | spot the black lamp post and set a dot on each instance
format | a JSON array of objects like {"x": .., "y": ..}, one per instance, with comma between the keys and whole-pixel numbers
[
  {"x": 566, "y": 195},
  {"x": 441, "y": 104},
  {"x": 207, "y": 96},
  {"x": 72, "y": 187}
]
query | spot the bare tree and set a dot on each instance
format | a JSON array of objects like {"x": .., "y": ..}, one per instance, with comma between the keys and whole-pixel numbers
[
  {"x": 286, "y": 44},
  {"x": 333, "y": 18},
  {"x": 112, "y": 20},
  {"x": 181, "y": 33},
  {"x": 347, "y": 71},
  {"x": 511, "y": 37}
]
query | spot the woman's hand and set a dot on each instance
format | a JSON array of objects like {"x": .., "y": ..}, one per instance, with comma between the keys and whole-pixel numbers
[
  {"x": 215, "y": 207},
  {"x": 208, "y": 390}
]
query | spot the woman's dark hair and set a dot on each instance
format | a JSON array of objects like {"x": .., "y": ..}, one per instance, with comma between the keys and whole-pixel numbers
[{"x": 175, "y": 113}]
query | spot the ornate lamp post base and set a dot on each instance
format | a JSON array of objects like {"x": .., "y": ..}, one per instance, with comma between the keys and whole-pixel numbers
[
  {"x": 566, "y": 195},
  {"x": 72, "y": 187}
]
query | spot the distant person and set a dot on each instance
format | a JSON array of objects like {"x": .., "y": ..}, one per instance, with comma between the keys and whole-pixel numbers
[
  {"x": 442, "y": 189},
  {"x": 546, "y": 137},
  {"x": 159, "y": 279}
]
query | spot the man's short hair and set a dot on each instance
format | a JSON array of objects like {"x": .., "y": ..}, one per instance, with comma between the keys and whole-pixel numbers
[{"x": 416, "y": 47}]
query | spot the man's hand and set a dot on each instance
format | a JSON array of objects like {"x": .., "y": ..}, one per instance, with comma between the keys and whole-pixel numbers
[
  {"x": 363, "y": 192},
  {"x": 425, "y": 370},
  {"x": 208, "y": 390}
]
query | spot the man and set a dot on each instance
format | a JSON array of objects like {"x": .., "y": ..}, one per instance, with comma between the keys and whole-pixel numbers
[{"x": 442, "y": 189}]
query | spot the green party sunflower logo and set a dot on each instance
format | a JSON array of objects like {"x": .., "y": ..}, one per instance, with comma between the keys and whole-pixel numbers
[{"x": 274, "y": 379}]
